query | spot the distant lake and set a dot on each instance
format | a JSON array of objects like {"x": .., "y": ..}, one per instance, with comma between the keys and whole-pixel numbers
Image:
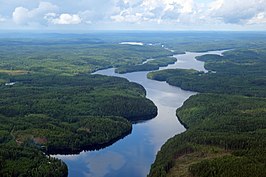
[
  {"x": 133, "y": 155},
  {"x": 131, "y": 43}
]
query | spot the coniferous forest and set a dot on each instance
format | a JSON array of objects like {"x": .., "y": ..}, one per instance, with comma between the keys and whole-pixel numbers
[
  {"x": 226, "y": 122},
  {"x": 52, "y": 103}
]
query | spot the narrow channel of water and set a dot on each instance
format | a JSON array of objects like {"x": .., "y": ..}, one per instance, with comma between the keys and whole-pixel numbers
[{"x": 133, "y": 155}]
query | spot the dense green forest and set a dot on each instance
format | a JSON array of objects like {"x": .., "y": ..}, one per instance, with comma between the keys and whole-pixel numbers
[
  {"x": 71, "y": 56},
  {"x": 66, "y": 96},
  {"x": 67, "y": 114},
  {"x": 225, "y": 137},
  {"x": 27, "y": 161},
  {"x": 237, "y": 72},
  {"x": 50, "y": 103},
  {"x": 226, "y": 125}
]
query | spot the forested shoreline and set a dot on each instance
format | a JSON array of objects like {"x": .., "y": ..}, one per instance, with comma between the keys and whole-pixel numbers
[
  {"x": 226, "y": 125},
  {"x": 50, "y": 103},
  {"x": 67, "y": 114},
  {"x": 153, "y": 64}
]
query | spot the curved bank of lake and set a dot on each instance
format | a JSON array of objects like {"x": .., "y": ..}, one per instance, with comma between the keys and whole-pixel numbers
[{"x": 133, "y": 155}]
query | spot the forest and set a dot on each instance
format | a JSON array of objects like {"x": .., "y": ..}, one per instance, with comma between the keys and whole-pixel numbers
[
  {"x": 50, "y": 103},
  {"x": 152, "y": 64},
  {"x": 71, "y": 56},
  {"x": 237, "y": 72},
  {"x": 226, "y": 121},
  {"x": 225, "y": 137},
  {"x": 66, "y": 114}
]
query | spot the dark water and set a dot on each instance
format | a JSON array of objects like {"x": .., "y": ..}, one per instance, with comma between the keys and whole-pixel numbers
[{"x": 133, "y": 155}]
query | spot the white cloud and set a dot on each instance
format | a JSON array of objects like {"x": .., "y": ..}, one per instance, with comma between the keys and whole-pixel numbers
[
  {"x": 86, "y": 16},
  {"x": 216, "y": 5},
  {"x": 190, "y": 12},
  {"x": 21, "y": 15},
  {"x": 237, "y": 11},
  {"x": 153, "y": 13},
  {"x": 154, "y": 10},
  {"x": 258, "y": 19},
  {"x": 2, "y": 19},
  {"x": 180, "y": 6},
  {"x": 63, "y": 19},
  {"x": 128, "y": 16},
  {"x": 24, "y": 16}
]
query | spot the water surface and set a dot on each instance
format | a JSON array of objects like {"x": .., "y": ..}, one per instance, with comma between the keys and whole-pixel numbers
[
  {"x": 133, "y": 155},
  {"x": 131, "y": 43}
]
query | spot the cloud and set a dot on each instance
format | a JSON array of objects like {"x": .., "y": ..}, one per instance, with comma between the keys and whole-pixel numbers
[
  {"x": 24, "y": 16},
  {"x": 216, "y": 5},
  {"x": 154, "y": 10},
  {"x": 2, "y": 19},
  {"x": 21, "y": 15},
  {"x": 63, "y": 19},
  {"x": 128, "y": 16},
  {"x": 134, "y": 13},
  {"x": 190, "y": 12},
  {"x": 181, "y": 6},
  {"x": 260, "y": 18},
  {"x": 237, "y": 11}
]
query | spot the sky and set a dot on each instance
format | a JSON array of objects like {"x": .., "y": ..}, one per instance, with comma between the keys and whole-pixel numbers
[{"x": 170, "y": 15}]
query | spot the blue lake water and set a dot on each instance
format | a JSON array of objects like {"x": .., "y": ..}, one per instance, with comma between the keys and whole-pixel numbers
[{"x": 133, "y": 155}]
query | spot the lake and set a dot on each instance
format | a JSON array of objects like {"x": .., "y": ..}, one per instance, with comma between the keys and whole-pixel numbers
[{"x": 133, "y": 155}]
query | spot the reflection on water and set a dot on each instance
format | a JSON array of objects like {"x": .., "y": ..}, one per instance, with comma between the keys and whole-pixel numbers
[
  {"x": 188, "y": 61},
  {"x": 133, "y": 155},
  {"x": 110, "y": 161}
]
